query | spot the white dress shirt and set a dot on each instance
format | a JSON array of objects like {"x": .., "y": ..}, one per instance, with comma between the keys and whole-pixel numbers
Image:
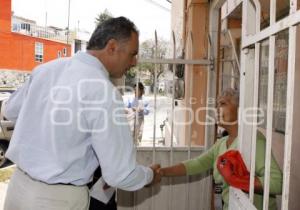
[{"x": 69, "y": 119}]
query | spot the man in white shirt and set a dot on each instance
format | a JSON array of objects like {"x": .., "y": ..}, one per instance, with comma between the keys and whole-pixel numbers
[{"x": 69, "y": 120}]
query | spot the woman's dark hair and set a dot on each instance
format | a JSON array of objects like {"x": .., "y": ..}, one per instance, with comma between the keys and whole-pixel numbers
[{"x": 119, "y": 28}]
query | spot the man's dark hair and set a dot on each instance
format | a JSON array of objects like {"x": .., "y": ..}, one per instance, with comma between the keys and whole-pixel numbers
[{"x": 119, "y": 28}]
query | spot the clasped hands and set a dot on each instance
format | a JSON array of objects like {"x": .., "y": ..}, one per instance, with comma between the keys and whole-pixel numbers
[{"x": 157, "y": 174}]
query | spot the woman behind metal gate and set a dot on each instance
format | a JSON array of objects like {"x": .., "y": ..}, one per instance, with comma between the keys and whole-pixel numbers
[{"x": 213, "y": 158}]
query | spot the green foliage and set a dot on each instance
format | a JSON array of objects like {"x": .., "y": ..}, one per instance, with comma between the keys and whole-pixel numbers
[
  {"x": 103, "y": 17},
  {"x": 147, "y": 50},
  {"x": 148, "y": 82},
  {"x": 130, "y": 76}
]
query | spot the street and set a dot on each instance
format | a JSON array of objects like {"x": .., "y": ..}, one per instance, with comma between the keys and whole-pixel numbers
[{"x": 163, "y": 105}]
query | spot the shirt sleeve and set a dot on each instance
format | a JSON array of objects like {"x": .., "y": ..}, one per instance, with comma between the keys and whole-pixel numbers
[
  {"x": 113, "y": 145},
  {"x": 14, "y": 104},
  {"x": 146, "y": 108},
  {"x": 201, "y": 163},
  {"x": 275, "y": 172},
  {"x": 127, "y": 103}
]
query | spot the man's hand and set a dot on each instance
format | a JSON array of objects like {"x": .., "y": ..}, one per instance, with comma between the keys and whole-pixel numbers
[
  {"x": 106, "y": 186},
  {"x": 156, "y": 175}
]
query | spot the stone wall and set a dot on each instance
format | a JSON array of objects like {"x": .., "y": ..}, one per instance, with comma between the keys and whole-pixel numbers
[{"x": 11, "y": 78}]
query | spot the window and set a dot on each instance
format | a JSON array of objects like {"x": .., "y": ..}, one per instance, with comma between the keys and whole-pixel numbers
[
  {"x": 25, "y": 26},
  {"x": 39, "y": 52},
  {"x": 16, "y": 27},
  {"x": 59, "y": 54},
  {"x": 65, "y": 51}
]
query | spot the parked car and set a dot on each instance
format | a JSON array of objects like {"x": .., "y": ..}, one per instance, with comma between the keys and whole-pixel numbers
[{"x": 6, "y": 128}]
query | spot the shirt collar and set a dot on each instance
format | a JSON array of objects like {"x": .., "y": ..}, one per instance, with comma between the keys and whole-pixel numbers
[{"x": 91, "y": 60}]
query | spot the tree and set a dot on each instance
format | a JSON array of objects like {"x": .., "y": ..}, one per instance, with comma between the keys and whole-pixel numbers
[
  {"x": 103, "y": 17},
  {"x": 147, "y": 50},
  {"x": 130, "y": 76}
]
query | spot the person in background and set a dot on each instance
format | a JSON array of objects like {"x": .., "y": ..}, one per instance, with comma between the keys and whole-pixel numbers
[
  {"x": 137, "y": 107},
  {"x": 70, "y": 120},
  {"x": 226, "y": 162}
]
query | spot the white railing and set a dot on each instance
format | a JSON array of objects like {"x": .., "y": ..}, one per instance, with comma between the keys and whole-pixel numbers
[{"x": 42, "y": 32}]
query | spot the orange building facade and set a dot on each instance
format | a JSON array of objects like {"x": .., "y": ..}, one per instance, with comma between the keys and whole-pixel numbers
[{"x": 23, "y": 52}]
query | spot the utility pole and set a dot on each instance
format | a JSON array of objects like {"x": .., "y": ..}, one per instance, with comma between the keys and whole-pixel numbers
[{"x": 68, "y": 29}]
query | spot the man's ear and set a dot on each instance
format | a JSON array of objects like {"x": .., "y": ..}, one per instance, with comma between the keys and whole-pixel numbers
[{"x": 111, "y": 46}]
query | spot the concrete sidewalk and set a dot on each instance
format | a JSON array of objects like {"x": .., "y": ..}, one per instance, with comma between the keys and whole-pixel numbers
[
  {"x": 3, "y": 188},
  {"x": 5, "y": 174}
]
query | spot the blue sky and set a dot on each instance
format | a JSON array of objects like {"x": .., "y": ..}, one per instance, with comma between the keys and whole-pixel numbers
[{"x": 146, "y": 15}]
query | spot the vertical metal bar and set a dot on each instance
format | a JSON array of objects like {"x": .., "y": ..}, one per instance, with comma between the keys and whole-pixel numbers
[
  {"x": 234, "y": 50},
  {"x": 256, "y": 82},
  {"x": 293, "y": 6},
  {"x": 272, "y": 12},
  {"x": 173, "y": 91},
  {"x": 289, "y": 110},
  {"x": 258, "y": 13},
  {"x": 172, "y": 122},
  {"x": 212, "y": 85},
  {"x": 189, "y": 104},
  {"x": 136, "y": 121},
  {"x": 242, "y": 95},
  {"x": 245, "y": 19},
  {"x": 154, "y": 126},
  {"x": 135, "y": 201},
  {"x": 254, "y": 129},
  {"x": 255, "y": 102},
  {"x": 269, "y": 120},
  {"x": 243, "y": 70},
  {"x": 155, "y": 97},
  {"x": 69, "y": 10}
]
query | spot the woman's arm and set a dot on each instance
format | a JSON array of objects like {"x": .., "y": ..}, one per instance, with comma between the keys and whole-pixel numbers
[
  {"x": 194, "y": 166},
  {"x": 176, "y": 170}
]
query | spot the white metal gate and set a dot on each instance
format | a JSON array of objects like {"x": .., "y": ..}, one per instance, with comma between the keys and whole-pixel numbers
[
  {"x": 173, "y": 193},
  {"x": 252, "y": 36}
]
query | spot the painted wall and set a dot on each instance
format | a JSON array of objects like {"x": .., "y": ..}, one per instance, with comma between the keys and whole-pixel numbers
[
  {"x": 197, "y": 19},
  {"x": 17, "y": 51}
]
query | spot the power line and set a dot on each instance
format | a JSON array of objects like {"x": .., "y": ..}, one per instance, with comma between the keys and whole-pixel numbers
[{"x": 159, "y": 5}]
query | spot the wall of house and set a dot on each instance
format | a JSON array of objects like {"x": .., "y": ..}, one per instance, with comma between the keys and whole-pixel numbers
[
  {"x": 5, "y": 15},
  {"x": 191, "y": 36},
  {"x": 196, "y": 75},
  {"x": 17, "y": 51},
  {"x": 177, "y": 24}
]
